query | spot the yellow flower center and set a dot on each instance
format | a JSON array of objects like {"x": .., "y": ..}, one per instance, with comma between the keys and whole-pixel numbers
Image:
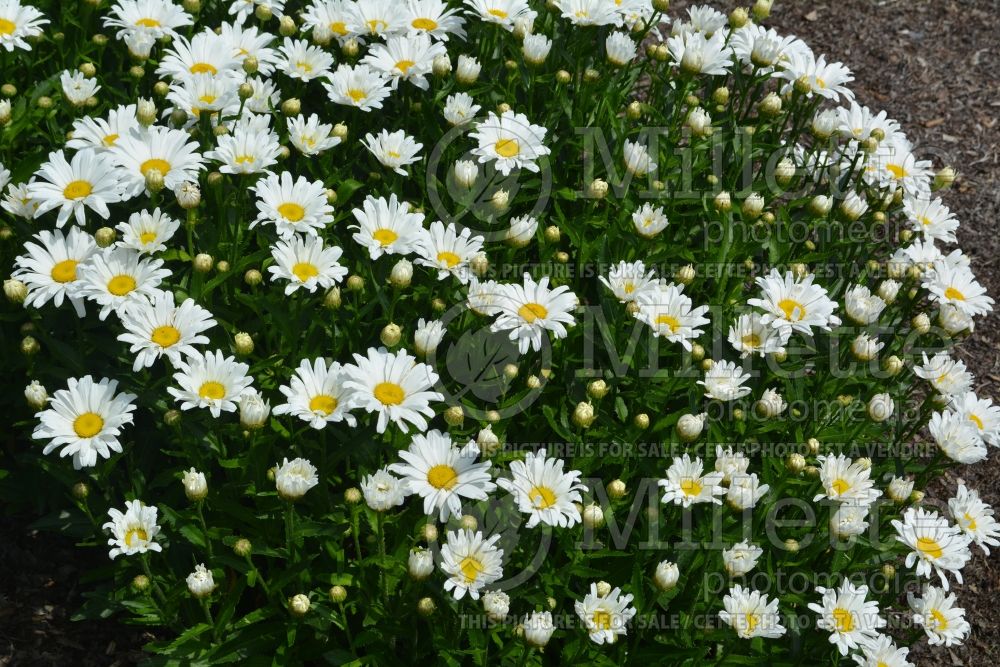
[
  {"x": 471, "y": 567},
  {"x": 499, "y": 13},
  {"x": 691, "y": 487},
  {"x": 840, "y": 486},
  {"x": 148, "y": 23},
  {"x": 977, "y": 421},
  {"x": 897, "y": 170},
  {"x": 404, "y": 65},
  {"x": 843, "y": 620},
  {"x": 323, "y": 403},
  {"x": 121, "y": 285},
  {"x": 385, "y": 236},
  {"x": 134, "y": 534},
  {"x": 940, "y": 622},
  {"x": 291, "y": 211},
  {"x": 753, "y": 620},
  {"x": 668, "y": 320},
  {"x": 952, "y": 293},
  {"x": 751, "y": 340},
  {"x": 375, "y": 25},
  {"x": 110, "y": 139},
  {"x": 356, "y": 94},
  {"x": 925, "y": 221},
  {"x": 201, "y": 68},
  {"x": 582, "y": 14},
  {"x": 207, "y": 99},
  {"x": 338, "y": 28},
  {"x": 507, "y": 147},
  {"x": 88, "y": 425},
  {"x": 147, "y": 237},
  {"x": 212, "y": 390},
  {"x": 389, "y": 393},
  {"x": 793, "y": 310},
  {"x": 165, "y": 336},
  {"x": 929, "y": 547},
  {"x": 77, "y": 190},
  {"x": 424, "y": 24},
  {"x": 64, "y": 271},
  {"x": 970, "y": 521},
  {"x": 442, "y": 476},
  {"x": 530, "y": 312},
  {"x": 304, "y": 66},
  {"x": 161, "y": 166},
  {"x": 304, "y": 271},
  {"x": 449, "y": 259},
  {"x": 629, "y": 287},
  {"x": 821, "y": 83},
  {"x": 244, "y": 159},
  {"x": 602, "y": 619},
  {"x": 542, "y": 497}
]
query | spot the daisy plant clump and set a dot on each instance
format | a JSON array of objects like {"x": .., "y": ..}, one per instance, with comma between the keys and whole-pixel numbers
[{"x": 483, "y": 332}]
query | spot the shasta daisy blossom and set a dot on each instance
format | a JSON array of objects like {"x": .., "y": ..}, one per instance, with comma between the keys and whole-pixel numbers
[
  {"x": 205, "y": 53},
  {"x": 459, "y": 108},
  {"x": 741, "y": 558},
  {"x": 790, "y": 301},
  {"x": 387, "y": 227},
  {"x": 77, "y": 88},
  {"x": 153, "y": 17},
  {"x": 132, "y": 531},
  {"x": 696, "y": 53},
  {"x": 756, "y": 46},
  {"x": 605, "y": 617},
  {"x": 377, "y": 18},
  {"x": 638, "y": 161},
  {"x": 504, "y": 13},
  {"x": 50, "y": 267},
  {"x": 630, "y": 280},
  {"x": 428, "y": 335},
  {"x": 846, "y": 481},
  {"x": 303, "y": 61},
  {"x": 406, "y": 58},
  {"x": 394, "y": 150},
  {"x": 975, "y": 518},
  {"x": 528, "y": 310},
  {"x": 669, "y": 313},
  {"x": 310, "y": 136},
  {"x": 851, "y": 619},
  {"x": 942, "y": 621},
  {"x": 937, "y": 546},
  {"x": 536, "y": 48},
  {"x": 471, "y": 562},
  {"x": 510, "y": 141},
  {"x": 894, "y": 166},
  {"x": 210, "y": 380},
  {"x": 249, "y": 148},
  {"x": 827, "y": 80},
  {"x": 732, "y": 464},
  {"x": 849, "y": 520},
  {"x": 241, "y": 10},
  {"x": 543, "y": 491},
  {"x": 649, "y": 221},
  {"x": 317, "y": 394},
  {"x": 166, "y": 150},
  {"x": 331, "y": 18},
  {"x": 882, "y": 652},
  {"x": 306, "y": 263},
  {"x": 383, "y": 491},
  {"x": 200, "y": 583},
  {"x": 447, "y": 250},
  {"x": 147, "y": 233},
  {"x": 249, "y": 41},
  {"x": 116, "y": 277},
  {"x": 745, "y": 491},
  {"x": 18, "y": 23},
  {"x": 483, "y": 298},
  {"x": 442, "y": 474},
  {"x": 87, "y": 181},
  {"x": 100, "y": 134},
  {"x": 395, "y": 386},
  {"x": 724, "y": 381},
  {"x": 84, "y": 420},
  {"x": 18, "y": 200},
  {"x": 862, "y": 306},
  {"x": 291, "y": 204},
  {"x": 159, "y": 328},
  {"x": 955, "y": 285},
  {"x": 434, "y": 18},
  {"x": 949, "y": 377},
  {"x": 620, "y": 49},
  {"x": 957, "y": 438},
  {"x": 685, "y": 483},
  {"x": 204, "y": 94},
  {"x": 294, "y": 478},
  {"x": 931, "y": 218},
  {"x": 857, "y": 122},
  {"x": 750, "y": 335},
  {"x": 750, "y": 614},
  {"x": 589, "y": 12},
  {"x": 980, "y": 413},
  {"x": 359, "y": 86}
]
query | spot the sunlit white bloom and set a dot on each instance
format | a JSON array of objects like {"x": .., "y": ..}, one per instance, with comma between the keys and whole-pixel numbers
[
  {"x": 732, "y": 464},
  {"x": 750, "y": 614},
  {"x": 378, "y": 18},
  {"x": 522, "y": 230},
  {"x": 101, "y": 134},
  {"x": 827, "y": 80},
  {"x": 154, "y": 18},
  {"x": 936, "y": 612},
  {"x": 851, "y": 620},
  {"x": 862, "y": 306},
  {"x": 428, "y": 335},
  {"x": 849, "y": 520},
  {"x": 19, "y": 202},
  {"x": 459, "y": 108},
  {"x": 980, "y": 413},
  {"x": 543, "y": 491},
  {"x": 790, "y": 301},
  {"x": 974, "y": 517},
  {"x": 86, "y": 181},
  {"x": 84, "y": 420},
  {"x": 629, "y": 280},
  {"x": 741, "y": 558},
  {"x": 724, "y": 381},
  {"x": 359, "y": 86},
  {"x": 857, "y": 122},
  {"x": 18, "y": 23},
  {"x": 956, "y": 285},
  {"x": 894, "y": 165},
  {"x": 954, "y": 321},
  {"x": 294, "y": 478},
  {"x": 132, "y": 531},
  {"x": 200, "y": 583},
  {"x": 292, "y": 205},
  {"x": 605, "y": 616},
  {"x": 204, "y": 94},
  {"x": 686, "y": 485},
  {"x": 205, "y": 53},
  {"x": 303, "y": 61},
  {"x": 169, "y": 151},
  {"x": 471, "y": 562},
  {"x": 394, "y": 150},
  {"x": 948, "y": 376},
  {"x": 846, "y": 481},
  {"x": 484, "y": 297},
  {"x": 265, "y": 97},
  {"x": 434, "y": 18},
  {"x": 649, "y": 220},
  {"x": 750, "y": 335},
  {"x": 331, "y": 17},
  {"x": 445, "y": 249},
  {"x": 307, "y": 263},
  {"x": 589, "y": 12},
  {"x": 76, "y": 87},
  {"x": 502, "y": 12},
  {"x": 246, "y": 150},
  {"x": 442, "y": 474},
  {"x": 529, "y": 310},
  {"x": 395, "y": 386},
  {"x": 210, "y": 380},
  {"x": 406, "y": 58},
  {"x": 50, "y": 267},
  {"x": 249, "y": 41},
  {"x": 937, "y": 546},
  {"x": 932, "y": 218},
  {"x": 620, "y": 48},
  {"x": 241, "y": 10},
  {"x": 146, "y": 232},
  {"x": 387, "y": 227},
  {"x": 882, "y": 652},
  {"x": 536, "y": 48},
  {"x": 745, "y": 491},
  {"x": 310, "y": 136},
  {"x": 760, "y": 47},
  {"x": 383, "y": 491},
  {"x": 697, "y": 53},
  {"x": 670, "y": 313},
  {"x": 159, "y": 328},
  {"x": 957, "y": 438},
  {"x": 317, "y": 394},
  {"x": 116, "y": 277},
  {"x": 637, "y": 159},
  {"x": 510, "y": 142}
]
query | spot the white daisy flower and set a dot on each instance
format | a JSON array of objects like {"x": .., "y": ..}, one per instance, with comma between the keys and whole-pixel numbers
[
  {"x": 310, "y": 136},
  {"x": 359, "y": 86},
  {"x": 522, "y": 230},
  {"x": 300, "y": 60},
  {"x": 974, "y": 518},
  {"x": 405, "y": 58},
  {"x": 857, "y": 122},
  {"x": 76, "y": 87},
  {"x": 241, "y": 10},
  {"x": 882, "y": 652},
  {"x": 504, "y": 13},
  {"x": 750, "y": 614},
  {"x": 18, "y": 23},
  {"x": 943, "y": 622},
  {"x": 205, "y": 53},
  {"x": 317, "y": 394},
  {"x": 529, "y": 310},
  {"x": 862, "y": 306},
  {"x": 686, "y": 485},
  {"x": 741, "y": 558},
  {"x": 248, "y": 41},
  {"x": 443, "y": 474},
  {"x": 980, "y": 413},
  {"x": 629, "y": 280},
  {"x": 147, "y": 233},
  {"x": 306, "y": 263},
  {"x": 638, "y": 162},
  {"x": 115, "y": 277},
  {"x": 387, "y": 227},
  {"x": 756, "y": 46},
  {"x": 100, "y": 134},
  {"x": 428, "y": 335},
  {"x": 696, "y": 53},
  {"x": 589, "y": 12},
  {"x": 750, "y": 335},
  {"x": 956, "y": 285},
  {"x": 133, "y": 531},
  {"x": 948, "y": 376},
  {"x": 670, "y": 313},
  {"x": 200, "y": 583},
  {"x": 168, "y": 151},
  {"x": 732, "y": 464},
  {"x": 620, "y": 48},
  {"x": 210, "y": 380},
  {"x": 471, "y": 562},
  {"x": 19, "y": 202},
  {"x": 851, "y": 620},
  {"x": 153, "y": 17},
  {"x": 543, "y": 491},
  {"x": 394, "y": 150},
  {"x": 846, "y": 481},
  {"x": 894, "y": 165},
  {"x": 159, "y": 328},
  {"x": 931, "y": 218},
  {"x": 849, "y": 520},
  {"x": 827, "y": 80},
  {"x": 265, "y": 98},
  {"x": 88, "y": 181},
  {"x": 510, "y": 141},
  {"x": 605, "y": 616},
  {"x": 248, "y": 149},
  {"x": 291, "y": 205},
  {"x": 204, "y": 94},
  {"x": 957, "y": 438},
  {"x": 724, "y": 381},
  {"x": 378, "y": 18},
  {"x": 789, "y": 301},
  {"x": 745, "y": 491},
  {"x": 937, "y": 546},
  {"x": 445, "y": 249},
  {"x": 649, "y": 221},
  {"x": 330, "y": 17},
  {"x": 395, "y": 386},
  {"x": 484, "y": 297},
  {"x": 383, "y": 491},
  {"x": 536, "y": 48},
  {"x": 50, "y": 267},
  {"x": 294, "y": 478},
  {"x": 459, "y": 108},
  {"x": 84, "y": 420},
  {"x": 703, "y": 19},
  {"x": 434, "y": 18}
]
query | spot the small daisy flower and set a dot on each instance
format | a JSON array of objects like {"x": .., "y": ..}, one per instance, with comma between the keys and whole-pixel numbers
[
  {"x": 696, "y": 53},
  {"x": 589, "y": 12},
  {"x": 383, "y": 491},
  {"x": 331, "y": 17},
  {"x": 471, "y": 562},
  {"x": 628, "y": 280},
  {"x": 686, "y": 485},
  {"x": 957, "y": 438},
  {"x": 974, "y": 518},
  {"x": 750, "y": 335},
  {"x": 857, "y": 122},
  {"x": 248, "y": 41},
  {"x": 300, "y": 60},
  {"x": 760, "y": 47},
  {"x": 460, "y": 108},
  {"x": 205, "y": 53},
  {"x": 504, "y": 13},
  {"x": 980, "y": 413},
  {"x": 949, "y": 377},
  {"x": 671, "y": 314},
  {"x": 100, "y": 134},
  {"x": 529, "y": 310},
  {"x": 445, "y": 249},
  {"x": 387, "y": 227},
  {"x": 154, "y": 17},
  {"x": 395, "y": 386},
  {"x": 741, "y": 558},
  {"x": 827, "y": 80},
  {"x": 115, "y": 277},
  {"x": 724, "y": 381},
  {"x": 394, "y": 150},
  {"x": 49, "y": 267},
  {"x": 200, "y": 583},
  {"x": 846, "y": 481},
  {"x": 76, "y": 87},
  {"x": 306, "y": 263},
  {"x": 851, "y": 619},
  {"x": 18, "y": 23},
  {"x": 434, "y": 18},
  {"x": 895, "y": 166},
  {"x": 957, "y": 286},
  {"x": 750, "y": 614},
  {"x": 732, "y": 464},
  {"x": 620, "y": 48},
  {"x": 164, "y": 149},
  {"x": 605, "y": 617},
  {"x": 543, "y": 491},
  {"x": 317, "y": 394},
  {"x": 248, "y": 149},
  {"x": 510, "y": 141},
  {"x": 943, "y": 622},
  {"x": 882, "y": 652},
  {"x": 745, "y": 491},
  {"x": 210, "y": 380},
  {"x": 790, "y": 301},
  {"x": 638, "y": 161},
  {"x": 378, "y": 18},
  {"x": 19, "y": 202},
  {"x": 87, "y": 181},
  {"x": 310, "y": 136},
  {"x": 484, "y": 297},
  {"x": 292, "y": 205},
  {"x": 133, "y": 531},
  {"x": 442, "y": 474},
  {"x": 931, "y": 218},
  {"x": 937, "y": 546},
  {"x": 405, "y": 58},
  {"x": 359, "y": 86},
  {"x": 241, "y": 10},
  {"x": 649, "y": 221},
  {"x": 147, "y": 233},
  {"x": 84, "y": 420},
  {"x": 294, "y": 478},
  {"x": 862, "y": 306},
  {"x": 159, "y": 328}
]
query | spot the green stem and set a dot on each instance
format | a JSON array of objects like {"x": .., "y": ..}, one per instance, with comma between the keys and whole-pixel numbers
[
  {"x": 290, "y": 531},
  {"x": 204, "y": 528}
]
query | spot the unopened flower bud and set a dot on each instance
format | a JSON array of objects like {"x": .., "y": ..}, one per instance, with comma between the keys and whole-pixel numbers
[
  {"x": 723, "y": 202},
  {"x": 243, "y": 343},
  {"x": 616, "y": 489},
  {"x": 593, "y": 516},
  {"x": 641, "y": 421},
  {"x": 291, "y": 107},
  {"x": 597, "y": 389},
  {"x": 583, "y": 414},
  {"x": 242, "y": 547},
  {"x": 332, "y": 298},
  {"x": 454, "y": 415},
  {"x": 689, "y": 427},
  {"x": 337, "y": 594},
  {"x": 391, "y": 334},
  {"x": 667, "y": 575},
  {"x": 195, "y": 485},
  {"x": 15, "y": 290},
  {"x": 944, "y": 178},
  {"x": 30, "y": 346},
  {"x": 298, "y": 605},
  {"x": 921, "y": 323},
  {"x": 203, "y": 262},
  {"x": 426, "y": 607},
  {"x": 401, "y": 274},
  {"x": 598, "y": 188},
  {"x": 820, "y": 205}
]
